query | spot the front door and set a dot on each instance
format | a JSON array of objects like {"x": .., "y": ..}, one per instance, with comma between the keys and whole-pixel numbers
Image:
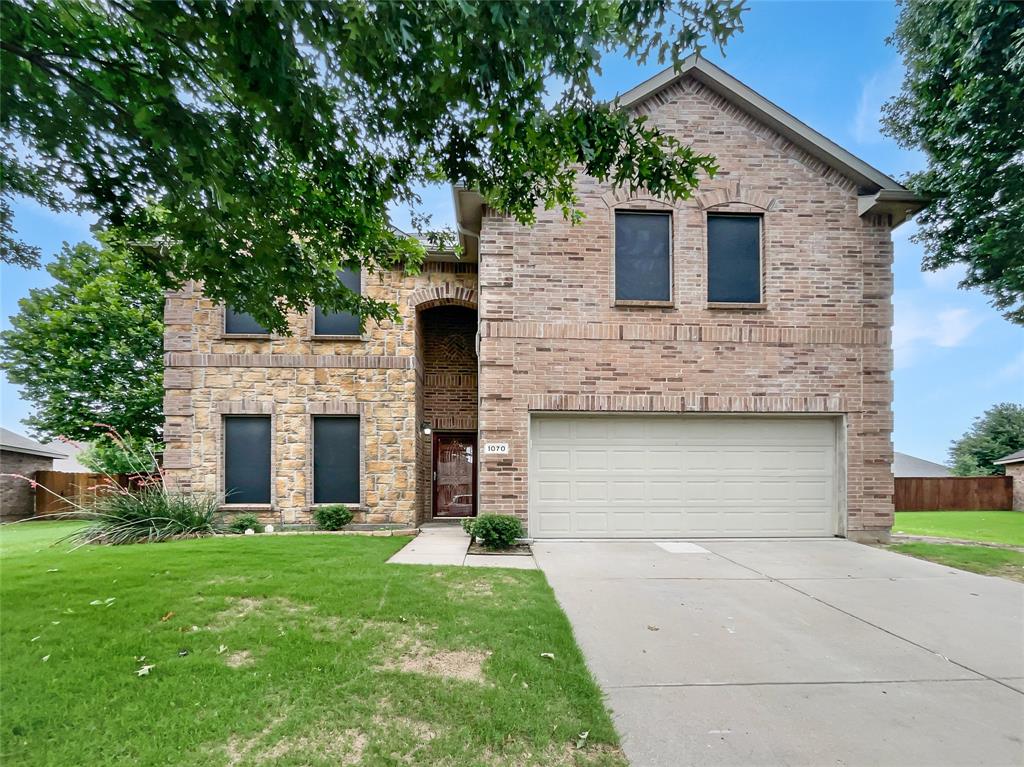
[{"x": 454, "y": 475}]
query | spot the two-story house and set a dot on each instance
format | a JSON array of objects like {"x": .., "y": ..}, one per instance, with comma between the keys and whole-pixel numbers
[{"x": 718, "y": 366}]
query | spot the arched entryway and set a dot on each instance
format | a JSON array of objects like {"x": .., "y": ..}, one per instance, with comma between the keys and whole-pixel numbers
[{"x": 447, "y": 409}]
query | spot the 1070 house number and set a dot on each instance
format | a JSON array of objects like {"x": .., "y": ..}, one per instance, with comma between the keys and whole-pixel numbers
[{"x": 496, "y": 448}]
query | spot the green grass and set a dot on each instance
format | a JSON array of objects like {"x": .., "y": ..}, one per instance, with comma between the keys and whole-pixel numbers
[
  {"x": 986, "y": 560},
  {"x": 318, "y": 628},
  {"x": 986, "y": 526}
]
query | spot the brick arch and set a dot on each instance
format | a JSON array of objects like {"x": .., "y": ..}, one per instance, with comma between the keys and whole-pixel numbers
[
  {"x": 736, "y": 193},
  {"x": 445, "y": 294}
]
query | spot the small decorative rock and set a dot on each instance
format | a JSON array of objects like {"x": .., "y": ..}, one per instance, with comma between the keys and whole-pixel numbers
[
  {"x": 250, "y": 531},
  {"x": 268, "y": 529}
]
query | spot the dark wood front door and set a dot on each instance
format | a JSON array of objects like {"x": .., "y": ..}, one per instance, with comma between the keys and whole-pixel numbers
[{"x": 454, "y": 475}]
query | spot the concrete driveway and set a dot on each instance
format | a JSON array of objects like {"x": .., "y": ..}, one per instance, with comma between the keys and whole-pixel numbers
[{"x": 813, "y": 652}]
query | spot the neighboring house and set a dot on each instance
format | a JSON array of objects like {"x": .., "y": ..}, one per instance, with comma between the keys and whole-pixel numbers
[
  {"x": 904, "y": 465},
  {"x": 714, "y": 367},
  {"x": 23, "y": 457},
  {"x": 1014, "y": 466}
]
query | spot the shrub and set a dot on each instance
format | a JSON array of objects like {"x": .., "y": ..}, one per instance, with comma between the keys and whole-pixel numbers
[
  {"x": 467, "y": 525},
  {"x": 497, "y": 531},
  {"x": 146, "y": 515},
  {"x": 332, "y": 517},
  {"x": 243, "y": 522}
]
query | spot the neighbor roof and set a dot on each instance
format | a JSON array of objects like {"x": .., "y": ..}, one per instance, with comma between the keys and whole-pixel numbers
[
  {"x": 16, "y": 443},
  {"x": 878, "y": 193},
  {"x": 904, "y": 465},
  {"x": 1017, "y": 457}
]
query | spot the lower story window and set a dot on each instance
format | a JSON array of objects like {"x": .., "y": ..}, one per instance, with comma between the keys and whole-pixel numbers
[
  {"x": 247, "y": 459},
  {"x": 336, "y": 459}
]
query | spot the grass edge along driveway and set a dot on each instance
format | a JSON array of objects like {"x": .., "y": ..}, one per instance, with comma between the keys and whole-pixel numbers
[
  {"x": 284, "y": 650},
  {"x": 1004, "y": 528}
]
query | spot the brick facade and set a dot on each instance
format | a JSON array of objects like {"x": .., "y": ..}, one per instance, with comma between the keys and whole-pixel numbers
[
  {"x": 17, "y": 498},
  {"x": 552, "y": 339},
  {"x": 1016, "y": 470}
]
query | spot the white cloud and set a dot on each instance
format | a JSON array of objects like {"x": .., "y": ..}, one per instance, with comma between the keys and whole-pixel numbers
[
  {"x": 1012, "y": 370},
  {"x": 875, "y": 91},
  {"x": 915, "y": 330},
  {"x": 944, "y": 279}
]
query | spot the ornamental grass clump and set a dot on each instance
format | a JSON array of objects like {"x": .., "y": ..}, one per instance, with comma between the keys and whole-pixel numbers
[{"x": 146, "y": 515}]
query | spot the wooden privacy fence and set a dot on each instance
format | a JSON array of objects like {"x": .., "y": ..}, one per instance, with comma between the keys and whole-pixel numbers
[
  {"x": 78, "y": 488},
  {"x": 953, "y": 493}
]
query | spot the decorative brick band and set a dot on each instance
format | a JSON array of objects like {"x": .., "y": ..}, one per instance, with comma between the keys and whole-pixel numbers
[
  {"x": 453, "y": 423},
  {"x": 333, "y": 407},
  {"x": 244, "y": 407},
  {"x": 736, "y": 193},
  {"x": 705, "y": 332},
  {"x": 177, "y": 360},
  {"x": 685, "y": 403},
  {"x": 446, "y": 293}
]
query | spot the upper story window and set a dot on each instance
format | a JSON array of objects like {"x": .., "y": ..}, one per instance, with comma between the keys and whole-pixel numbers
[
  {"x": 247, "y": 459},
  {"x": 242, "y": 324},
  {"x": 734, "y": 259},
  {"x": 340, "y": 323},
  {"x": 643, "y": 256}
]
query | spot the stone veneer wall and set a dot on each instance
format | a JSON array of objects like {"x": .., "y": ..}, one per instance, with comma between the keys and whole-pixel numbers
[
  {"x": 293, "y": 378},
  {"x": 17, "y": 498},
  {"x": 552, "y": 338}
]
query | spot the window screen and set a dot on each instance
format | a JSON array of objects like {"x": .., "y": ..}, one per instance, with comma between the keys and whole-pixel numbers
[
  {"x": 643, "y": 269},
  {"x": 336, "y": 459},
  {"x": 247, "y": 459},
  {"x": 241, "y": 323},
  {"x": 734, "y": 259},
  {"x": 340, "y": 323}
]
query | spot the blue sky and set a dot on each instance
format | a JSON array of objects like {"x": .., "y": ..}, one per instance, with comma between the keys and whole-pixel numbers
[{"x": 826, "y": 63}]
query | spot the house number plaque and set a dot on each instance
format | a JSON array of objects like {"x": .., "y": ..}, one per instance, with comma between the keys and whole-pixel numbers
[{"x": 496, "y": 448}]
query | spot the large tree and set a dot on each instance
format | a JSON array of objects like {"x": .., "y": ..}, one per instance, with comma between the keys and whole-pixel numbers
[
  {"x": 962, "y": 104},
  {"x": 996, "y": 433},
  {"x": 257, "y": 146},
  {"x": 88, "y": 350}
]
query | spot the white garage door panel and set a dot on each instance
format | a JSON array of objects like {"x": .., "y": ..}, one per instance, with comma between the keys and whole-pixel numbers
[{"x": 662, "y": 476}]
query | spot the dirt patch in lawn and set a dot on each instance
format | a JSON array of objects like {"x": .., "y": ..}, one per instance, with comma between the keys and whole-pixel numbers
[
  {"x": 420, "y": 658},
  {"x": 345, "y": 746},
  {"x": 239, "y": 659},
  {"x": 275, "y": 608},
  {"x": 567, "y": 755}
]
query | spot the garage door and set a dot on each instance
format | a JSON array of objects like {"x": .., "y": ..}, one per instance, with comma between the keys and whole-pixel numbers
[{"x": 605, "y": 476}]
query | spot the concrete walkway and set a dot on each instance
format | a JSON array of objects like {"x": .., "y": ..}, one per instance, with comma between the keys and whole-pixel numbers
[
  {"x": 813, "y": 652},
  {"x": 443, "y": 543}
]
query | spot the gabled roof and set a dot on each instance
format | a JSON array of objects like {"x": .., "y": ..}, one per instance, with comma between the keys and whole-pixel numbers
[
  {"x": 1017, "y": 457},
  {"x": 16, "y": 443},
  {"x": 878, "y": 193},
  {"x": 904, "y": 465}
]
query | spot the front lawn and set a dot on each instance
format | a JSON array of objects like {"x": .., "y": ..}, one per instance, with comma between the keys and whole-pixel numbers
[
  {"x": 986, "y": 560},
  {"x": 986, "y": 526},
  {"x": 284, "y": 650}
]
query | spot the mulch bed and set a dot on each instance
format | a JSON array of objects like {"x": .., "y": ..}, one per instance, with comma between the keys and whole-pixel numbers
[{"x": 520, "y": 549}]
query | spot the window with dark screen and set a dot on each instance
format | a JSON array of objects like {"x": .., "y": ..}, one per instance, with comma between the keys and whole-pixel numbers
[
  {"x": 340, "y": 323},
  {"x": 734, "y": 259},
  {"x": 643, "y": 256},
  {"x": 336, "y": 459},
  {"x": 241, "y": 323},
  {"x": 247, "y": 459}
]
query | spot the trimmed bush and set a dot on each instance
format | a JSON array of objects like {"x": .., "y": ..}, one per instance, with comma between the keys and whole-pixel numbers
[
  {"x": 243, "y": 522},
  {"x": 497, "y": 531},
  {"x": 467, "y": 525},
  {"x": 332, "y": 517},
  {"x": 146, "y": 515}
]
